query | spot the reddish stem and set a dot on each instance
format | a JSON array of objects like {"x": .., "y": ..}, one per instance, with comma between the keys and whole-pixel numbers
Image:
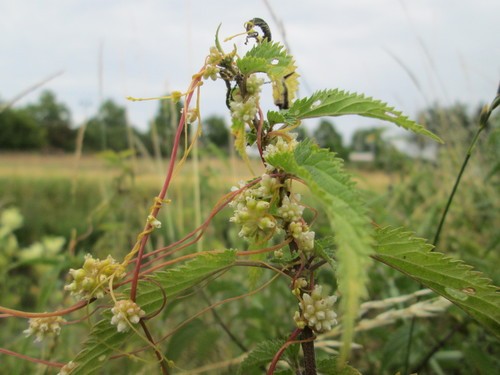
[
  {"x": 31, "y": 359},
  {"x": 277, "y": 356},
  {"x": 166, "y": 184},
  {"x": 23, "y": 314}
]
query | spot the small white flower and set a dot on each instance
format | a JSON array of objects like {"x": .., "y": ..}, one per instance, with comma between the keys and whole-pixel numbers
[
  {"x": 282, "y": 145},
  {"x": 41, "y": 327},
  {"x": 154, "y": 222},
  {"x": 290, "y": 210},
  {"x": 67, "y": 368},
  {"x": 124, "y": 313},
  {"x": 316, "y": 311},
  {"x": 91, "y": 280},
  {"x": 305, "y": 241},
  {"x": 245, "y": 111}
]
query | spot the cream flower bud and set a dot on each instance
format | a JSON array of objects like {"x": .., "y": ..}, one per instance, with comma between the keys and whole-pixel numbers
[
  {"x": 68, "y": 368},
  {"x": 126, "y": 312},
  {"x": 316, "y": 311},
  {"x": 91, "y": 280},
  {"x": 41, "y": 327},
  {"x": 289, "y": 210},
  {"x": 154, "y": 222}
]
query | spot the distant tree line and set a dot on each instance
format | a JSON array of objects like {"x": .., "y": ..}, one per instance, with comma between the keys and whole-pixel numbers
[{"x": 47, "y": 125}]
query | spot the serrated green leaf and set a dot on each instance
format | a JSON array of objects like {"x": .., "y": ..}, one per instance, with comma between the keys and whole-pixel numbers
[
  {"x": 264, "y": 353},
  {"x": 453, "y": 279},
  {"x": 103, "y": 340},
  {"x": 329, "y": 366},
  {"x": 325, "y": 176},
  {"x": 324, "y": 248},
  {"x": 175, "y": 281},
  {"x": 266, "y": 57},
  {"x": 272, "y": 59},
  {"x": 338, "y": 103},
  {"x": 274, "y": 117}
]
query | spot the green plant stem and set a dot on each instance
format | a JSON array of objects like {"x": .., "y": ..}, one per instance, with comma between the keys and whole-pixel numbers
[
  {"x": 457, "y": 182},
  {"x": 483, "y": 121},
  {"x": 438, "y": 233}
]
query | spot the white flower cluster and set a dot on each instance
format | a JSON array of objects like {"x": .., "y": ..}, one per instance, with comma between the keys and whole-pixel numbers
[
  {"x": 281, "y": 145},
  {"x": 41, "y": 327},
  {"x": 252, "y": 209},
  {"x": 91, "y": 280},
  {"x": 290, "y": 210},
  {"x": 304, "y": 238},
  {"x": 253, "y": 213},
  {"x": 124, "y": 313},
  {"x": 245, "y": 109},
  {"x": 316, "y": 311},
  {"x": 214, "y": 59}
]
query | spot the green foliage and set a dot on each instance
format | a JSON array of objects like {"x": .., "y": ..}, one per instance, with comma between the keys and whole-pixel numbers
[
  {"x": 264, "y": 353},
  {"x": 323, "y": 173},
  {"x": 55, "y": 118},
  {"x": 338, "y": 103},
  {"x": 451, "y": 278},
  {"x": 328, "y": 137},
  {"x": 19, "y": 131},
  {"x": 347, "y": 239},
  {"x": 386, "y": 156},
  {"x": 329, "y": 366},
  {"x": 176, "y": 280},
  {"x": 216, "y": 132},
  {"x": 159, "y": 138},
  {"x": 267, "y": 57},
  {"x": 108, "y": 129},
  {"x": 104, "y": 339}
]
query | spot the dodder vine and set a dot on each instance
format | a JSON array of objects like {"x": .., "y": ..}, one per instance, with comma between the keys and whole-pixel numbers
[{"x": 270, "y": 216}]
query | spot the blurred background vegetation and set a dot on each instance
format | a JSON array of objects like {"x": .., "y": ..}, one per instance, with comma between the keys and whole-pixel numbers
[{"x": 69, "y": 189}]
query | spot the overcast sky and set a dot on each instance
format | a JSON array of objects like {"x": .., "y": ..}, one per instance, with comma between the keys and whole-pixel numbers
[{"x": 452, "y": 49}]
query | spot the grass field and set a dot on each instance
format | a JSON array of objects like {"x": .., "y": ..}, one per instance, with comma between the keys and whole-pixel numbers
[
  {"x": 150, "y": 172},
  {"x": 99, "y": 205}
]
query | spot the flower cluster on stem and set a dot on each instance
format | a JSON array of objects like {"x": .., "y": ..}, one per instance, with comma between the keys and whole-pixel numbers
[
  {"x": 244, "y": 106},
  {"x": 316, "y": 311},
  {"x": 92, "y": 279},
  {"x": 41, "y": 327},
  {"x": 126, "y": 312}
]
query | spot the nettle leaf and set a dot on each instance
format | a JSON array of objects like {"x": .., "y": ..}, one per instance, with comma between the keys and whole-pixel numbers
[
  {"x": 325, "y": 176},
  {"x": 264, "y": 353},
  {"x": 272, "y": 59},
  {"x": 176, "y": 280},
  {"x": 453, "y": 279},
  {"x": 274, "y": 117},
  {"x": 267, "y": 57},
  {"x": 324, "y": 247},
  {"x": 104, "y": 339},
  {"x": 330, "y": 366},
  {"x": 338, "y": 103}
]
